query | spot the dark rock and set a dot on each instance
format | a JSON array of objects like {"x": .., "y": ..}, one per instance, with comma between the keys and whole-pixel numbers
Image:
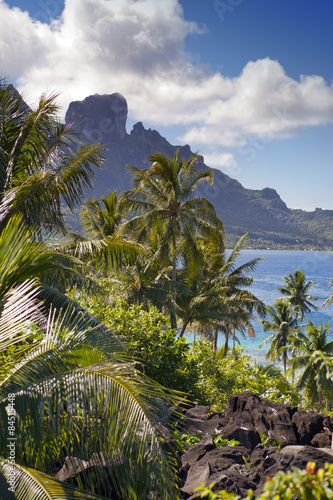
[
  {"x": 233, "y": 482},
  {"x": 292, "y": 456},
  {"x": 198, "y": 426},
  {"x": 223, "y": 457},
  {"x": 274, "y": 419},
  {"x": 308, "y": 424},
  {"x": 262, "y": 459},
  {"x": 214, "y": 461},
  {"x": 240, "y": 468},
  {"x": 322, "y": 440},
  {"x": 301, "y": 455},
  {"x": 198, "y": 474},
  {"x": 196, "y": 452},
  {"x": 201, "y": 412},
  {"x": 328, "y": 424},
  {"x": 245, "y": 433}
]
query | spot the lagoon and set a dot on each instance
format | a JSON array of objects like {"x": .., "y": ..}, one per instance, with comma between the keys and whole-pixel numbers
[{"x": 268, "y": 276}]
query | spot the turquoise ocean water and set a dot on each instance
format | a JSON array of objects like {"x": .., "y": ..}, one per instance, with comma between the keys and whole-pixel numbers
[{"x": 268, "y": 276}]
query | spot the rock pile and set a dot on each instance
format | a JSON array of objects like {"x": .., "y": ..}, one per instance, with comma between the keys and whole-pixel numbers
[{"x": 301, "y": 436}]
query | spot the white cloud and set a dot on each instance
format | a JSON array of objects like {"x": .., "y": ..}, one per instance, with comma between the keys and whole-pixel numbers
[
  {"x": 137, "y": 48},
  {"x": 220, "y": 160}
]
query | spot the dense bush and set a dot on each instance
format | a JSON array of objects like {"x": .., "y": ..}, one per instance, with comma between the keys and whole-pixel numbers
[{"x": 175, "y": 363}]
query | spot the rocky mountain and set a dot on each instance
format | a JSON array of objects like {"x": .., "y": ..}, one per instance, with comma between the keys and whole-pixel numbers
[{"x": 261, "y": 213}]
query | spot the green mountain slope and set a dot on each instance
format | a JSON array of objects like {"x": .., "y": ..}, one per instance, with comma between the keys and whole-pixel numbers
[{"x": 261, "y": 213}]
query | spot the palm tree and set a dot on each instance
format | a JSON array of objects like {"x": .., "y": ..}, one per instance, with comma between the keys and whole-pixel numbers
[
  {"x": 215, "y": 293},
  {"x": 76, "y": 393},
  {"x": 296, "y": 290},
  {"x": 163, "y": 193},
  {"x": 101, "y": 221},
  {"x": 102, "y": 243},
  {"x": 283, "y": 322},
  {"x": 106, "y": 412},
  {"x": 41, "y": 162},
  {"x": 312, "y": 361}
]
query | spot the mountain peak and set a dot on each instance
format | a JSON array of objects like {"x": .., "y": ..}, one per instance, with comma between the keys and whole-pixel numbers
[{"x": 100, "y": 118}]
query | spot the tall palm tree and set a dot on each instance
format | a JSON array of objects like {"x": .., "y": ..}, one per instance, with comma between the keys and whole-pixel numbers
[
  {"x": 296, "y": 290},
  {"x": 41, "y": 161},
  {"x": 164, "y": 194},
  {"x": 312, "y": 362},
  {"x": 283, "y": 322}
]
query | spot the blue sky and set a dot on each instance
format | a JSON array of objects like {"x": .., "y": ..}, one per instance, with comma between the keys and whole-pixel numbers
[{"x": 247, "y": 83}]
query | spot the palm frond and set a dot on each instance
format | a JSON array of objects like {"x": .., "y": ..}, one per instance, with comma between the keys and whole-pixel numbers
[
  {"x": 31, "y": 484},
  {"x": 19, "y": 311},
  {"x": 108, "y": 412}
]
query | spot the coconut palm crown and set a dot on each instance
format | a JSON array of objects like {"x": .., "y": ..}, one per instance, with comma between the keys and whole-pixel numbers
[
  {"x": 296, "y": 290},
  {"x": 41, "y": 161},
  {"x": 163, "y": 195}
]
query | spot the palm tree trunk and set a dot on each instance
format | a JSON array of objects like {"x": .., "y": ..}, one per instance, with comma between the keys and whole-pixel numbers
[
  {"x": 174, "y": 277},
  {"x": 216, "y": 334},
  {"x": 173, "y": 319},
  {"x": 285, "y": 362},
  {"x": 234, "y": 344},
  {"x": 182, "y": 331},
  {"x": 226, "y": 345}
]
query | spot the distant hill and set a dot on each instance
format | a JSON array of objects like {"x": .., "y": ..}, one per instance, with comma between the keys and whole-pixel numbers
[{"x": 261, "y": 213}]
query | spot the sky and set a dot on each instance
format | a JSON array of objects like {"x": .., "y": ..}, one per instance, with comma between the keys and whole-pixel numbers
[{"x": 246, "y": 83}]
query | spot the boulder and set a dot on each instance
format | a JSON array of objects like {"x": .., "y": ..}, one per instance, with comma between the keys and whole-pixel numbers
[
  {"x": 262, "y": 459},
  {"x": 213, "y": 462},
  {"x": 292, "y": 456},
  {"x": 322, "y": 440},
  {"x": 274, "y": 419},
  {"x": 196, "y": 452},
  {"x": 205, "y": 426},
  {"x": 223, "y": 457},
  {"x": 233, "y": 482},
  {"x": 244, "y": 432},
  {"x": 308, "y": 424},
  {"x": 201, "y": 412},
  {"x": 199, "y": 473}
]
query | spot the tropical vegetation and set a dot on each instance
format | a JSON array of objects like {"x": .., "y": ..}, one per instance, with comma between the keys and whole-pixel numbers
[{"x": 95, "y": 362}]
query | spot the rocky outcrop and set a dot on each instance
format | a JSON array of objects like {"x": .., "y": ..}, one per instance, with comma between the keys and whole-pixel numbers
[
  {"x": 100, "y": 118},
  {"x": 298, "y": 438}
]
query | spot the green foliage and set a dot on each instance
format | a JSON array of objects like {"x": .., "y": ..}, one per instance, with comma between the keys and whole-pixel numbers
[
  {"x": 304, "y": 484},
  {"x": 215, "y": 378},
  {"x": 210, "y": 379},
  {"x": 221, "y": 441},
  {"x": 312, "y": 362},
  {"x": 75, "y": 395},
  {"x": 41, "y": 163},
  {"x": 267, "y": 441},
  {"x": 296, "y": 290},
  {"x": 184, "y": 441},
  {"x": 159, "y": 351},
  {"x": 33, "y": 484}
]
